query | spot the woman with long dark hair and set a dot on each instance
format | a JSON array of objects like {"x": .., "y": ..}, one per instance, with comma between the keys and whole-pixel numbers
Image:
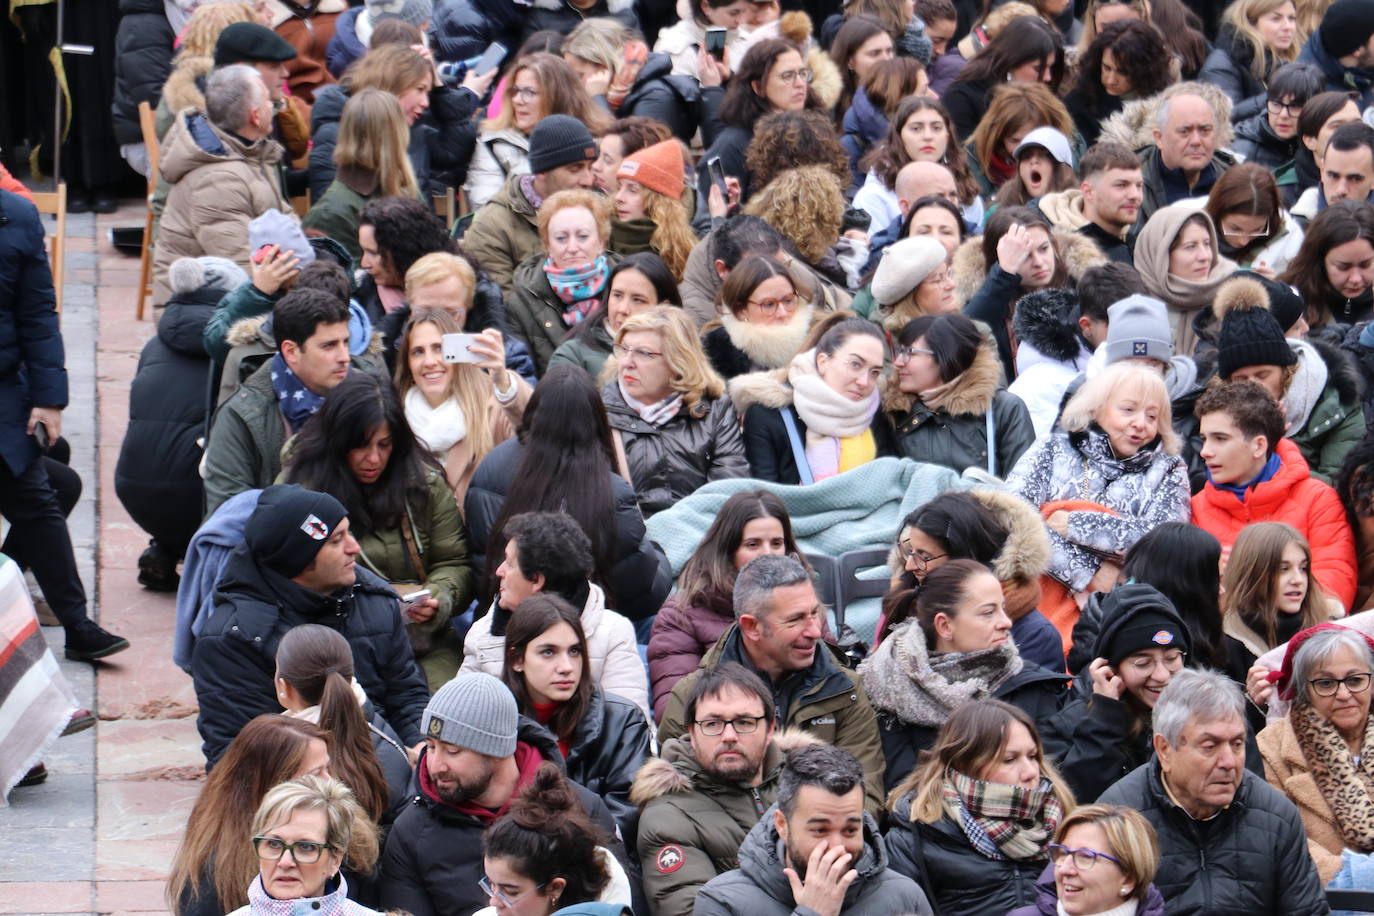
[
  {"x": 1027, "y": 50},
  {"x": 1183, "y": 562},
  {"x": 920, "y": 131},
  {"x": 1334, "y": 268},
  {"x": 564, "y": 436},
  {"x": 637, "y": 284},
  {"x": 315, "y": 683},
  {"x": 358, "y": 447},
  {"x": 1123, "y": 62},
  {"x": 861, "y": 44},
  {"x": 750, "y": 524},
  {"x": 604, "y": 737},
  {"x": 1253, "y": 228}
]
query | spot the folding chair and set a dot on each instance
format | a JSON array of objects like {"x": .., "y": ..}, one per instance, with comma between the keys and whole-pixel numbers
[
  {"x": 850, "y": 586},
  {"x": 147, "y": 122},
  {"x": 54, "y": 204}
]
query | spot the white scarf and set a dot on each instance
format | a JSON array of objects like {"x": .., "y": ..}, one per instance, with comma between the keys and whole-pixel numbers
[
  {"x": 1306, "y": 388},
  {"x": 438, "y": 428},
  {"x": 824, "y": 410},
  {"x": 1128, "y": 908}
]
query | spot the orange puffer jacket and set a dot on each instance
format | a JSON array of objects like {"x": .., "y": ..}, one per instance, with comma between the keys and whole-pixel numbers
[{"x": 1292, "y": 496}]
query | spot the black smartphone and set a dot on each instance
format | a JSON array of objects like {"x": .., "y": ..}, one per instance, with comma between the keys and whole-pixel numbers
[
  {"x": 715, "y": 42},
  {"x": 716, "y": 172},
  {"x": 40, "y": 435},
  {"x": 491, "y": 58}
]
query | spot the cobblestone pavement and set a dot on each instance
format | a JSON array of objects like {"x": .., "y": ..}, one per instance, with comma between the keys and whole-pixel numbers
[{"x": 99, "y": 835}]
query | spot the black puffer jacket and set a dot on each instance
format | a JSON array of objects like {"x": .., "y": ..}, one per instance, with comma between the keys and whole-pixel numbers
[
  {"x": 673, "y": 460},
  {"x": 234, "y": 659},
  {"x": 608, "y": 747},
  {"x": 562, "y": 17},
  {"x": 464, "y": 28},
  {"x": 1228, "y": 67},
  {"x": 675, "y": 100},
  {"x": 1249, "y": 860},
  {"x": 961, "y": 880},
  {"x": 641, "y": 577},
  {"x": 1034, "y": 690},
  {"x": 142, "y": 62},
  {"x": 1257, "y": 142},
  {"x": 441, "y": 141},
  {"x": 433, "y": 856},
  {"x": 157, "y": 478}
]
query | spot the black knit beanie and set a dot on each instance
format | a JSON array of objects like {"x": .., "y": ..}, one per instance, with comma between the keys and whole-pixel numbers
[
  {"x": 1149, "y": 629},
  {"x": 1250, "y": 334},
  {"x": 1346, "y": 26},
  {"x": 290, "y": 525},
  {"x": 1284, "y": 301},
  {"x": 560, "y": 140},
  {"x": 1136, "y": 617}
]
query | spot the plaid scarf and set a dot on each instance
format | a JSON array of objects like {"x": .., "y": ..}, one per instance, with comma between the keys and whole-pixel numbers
[
  {"x": 578, "y": 287},
  {"x": 1002, "y": 821}
]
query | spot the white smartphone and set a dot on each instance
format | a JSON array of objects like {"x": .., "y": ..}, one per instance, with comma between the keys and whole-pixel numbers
[
  {"x": 414, "y": 598},
  {"x": 456, "y": 348}
]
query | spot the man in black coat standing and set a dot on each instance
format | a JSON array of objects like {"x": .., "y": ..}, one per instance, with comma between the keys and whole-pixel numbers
[
  {"x": 296, "y": 566},
  {"x": 1230, "y": 843},
  {"x": 33, "y": 392}
]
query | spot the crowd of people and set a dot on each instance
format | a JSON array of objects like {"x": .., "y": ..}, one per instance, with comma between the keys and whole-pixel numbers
[{"x": 460, "y": 303}]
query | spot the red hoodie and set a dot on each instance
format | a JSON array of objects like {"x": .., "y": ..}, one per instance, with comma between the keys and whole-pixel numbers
[
  {"x": 1291, "y": 496},
  {"x": 527, "y": 760}
]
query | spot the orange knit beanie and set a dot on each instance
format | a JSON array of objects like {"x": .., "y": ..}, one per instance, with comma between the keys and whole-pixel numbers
[{"x": 658, "y": 168}]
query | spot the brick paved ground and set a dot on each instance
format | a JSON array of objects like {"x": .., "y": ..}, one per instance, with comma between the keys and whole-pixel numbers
[{"x": 99, "y": 835}]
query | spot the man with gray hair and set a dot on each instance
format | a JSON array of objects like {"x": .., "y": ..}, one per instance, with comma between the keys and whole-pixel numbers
[
  {"x": 815, "y": 851},
  {"x": 221, "y": 164},
  {"x": 1229, "y": 842},
  {"x": 778, "y": 633},
  {"x": 1184, "y": 160}
]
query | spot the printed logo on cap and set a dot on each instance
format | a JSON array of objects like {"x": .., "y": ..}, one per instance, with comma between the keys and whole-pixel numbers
[
  {"x": 629, "y": 167},
  {"x": 669, "y": 859},
  {"x": 436, "y": 726},
  {"x": 1140, "y": 348},
  {"x": 1162, "y": 638},
  {"x": 317, "y": 529}
]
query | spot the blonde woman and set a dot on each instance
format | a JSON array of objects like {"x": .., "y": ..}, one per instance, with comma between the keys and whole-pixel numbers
[
  {"x": 1256, "y": 37},
  {"x": 371, "y": 158},
  {"x": 458, "y": 411},
  {"x": 650, "y": 208},
  {"x": 540, "y": 85},
  {"x": 673, "y": 426},
  {"x": 437, "y": 145},
  {"x": 615, "y": 66}
]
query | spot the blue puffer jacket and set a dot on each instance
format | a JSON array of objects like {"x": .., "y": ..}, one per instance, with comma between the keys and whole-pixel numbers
[
  {"x": 864, "y": 128},
  {"x": 345, "y": 47}
]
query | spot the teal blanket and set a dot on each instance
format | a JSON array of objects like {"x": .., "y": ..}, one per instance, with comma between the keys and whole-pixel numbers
[{"x": 857, "y": 510}]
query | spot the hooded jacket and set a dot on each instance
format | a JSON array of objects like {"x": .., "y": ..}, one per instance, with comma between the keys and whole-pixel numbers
[
  {"x": 693, "y": 824},
  {"x": 1050, "y": 354},
  {"x": 1096, "y": 740},
  {"x": 673, "y": 459},
  {"x": 1335, "y": 423},
  {"x": 864, "y": 128},
  {"x": 157, "y": 477},
  {"x": 1251, "y": 858},
  {"x": 219, "y": 185},
  {"x": 989, "y": 293},
  {"x": 759, "y": 887},
  {"x": 1183, "y": 299},
  {"x": 1339, "y": 78},
  {"x": 234, "y": 659},
  {"x": 681, "y": 635},
  {"x": 1134, "y": 126},
  {"x": 641, "y": 576},
  {"x": 611, "y": 651},
  {"x": 826, "y": 700},
  {"x": 463, "y": 29},
  {"x": 1047, "y": 899},
  {"x": 562, "y": 17},
  {"x": 433, "y": 856},
  {"x": 1228, "y": 68},
  {"x": 346, "y": 46},
  {"x": 1064, "y": 210},
  {"x": 1256, "y": 142},
  {"x": 1293, "y": 497},
  {"x": 956, "y": 434},
  {"x": 143, "y": 47},
  {"x": 1147, "y": 489}
]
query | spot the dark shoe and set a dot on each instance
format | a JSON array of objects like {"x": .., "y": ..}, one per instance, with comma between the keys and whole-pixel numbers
[
  {"x": 104, "y": 202},
  {"x": 86, "y": 642},
  {"x": 81, "y": 720},
  {"x": 78, "y": 202},
  {"x": 34, "y": 776},
  {"x": 157, "y": 569}
]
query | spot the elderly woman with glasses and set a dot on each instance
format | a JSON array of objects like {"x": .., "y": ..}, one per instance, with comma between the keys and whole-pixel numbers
[
  {"x": 1103, "y": 859},
  {"x": 948, "y": 403},
  {"x": 672, "y": 424},
  {"x": 301, "y": 833},
  {"x": 1321, "y": 754}
]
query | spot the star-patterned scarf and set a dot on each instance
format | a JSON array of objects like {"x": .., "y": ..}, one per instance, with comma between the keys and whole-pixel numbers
[{"x": 296, "y": 401}]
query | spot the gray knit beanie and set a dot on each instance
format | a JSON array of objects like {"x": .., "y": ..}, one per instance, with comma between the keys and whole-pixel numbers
[
  {"x": 1138, "y": 328},
  {"x": 473, "y": 711},
  {"x": 416, "y": 12}
]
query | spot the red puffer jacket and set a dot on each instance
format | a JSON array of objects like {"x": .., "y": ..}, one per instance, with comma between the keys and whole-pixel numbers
[{"x": 1292, "y": 496}]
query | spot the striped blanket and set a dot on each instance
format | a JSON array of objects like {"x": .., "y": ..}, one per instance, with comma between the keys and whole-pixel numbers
[{"x": 35, "y": 700}]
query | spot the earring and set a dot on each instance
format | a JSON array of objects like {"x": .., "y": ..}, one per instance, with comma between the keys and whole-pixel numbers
[{"x": 1125, "y": 891}]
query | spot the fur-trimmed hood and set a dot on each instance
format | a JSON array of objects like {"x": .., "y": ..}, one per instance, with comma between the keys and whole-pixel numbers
[
  {"x": 256, "y": 330},
  {"x": 765, "y": 389},
  {"x": 1135, "y": 123},
  {"x": 1047, "y": 319},
  {"x": 970, "y": 270},
  {"x": 677, "y": 770},
  {"x": 972, "y": 394},
  {"x": 183, "y": 87},
  {"x": 1026, "y": 553}
]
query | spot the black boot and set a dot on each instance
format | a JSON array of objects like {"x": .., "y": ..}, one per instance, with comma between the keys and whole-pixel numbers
[
  {"x": 87, "y": 642},
  {"x": 157, "y": 569}
]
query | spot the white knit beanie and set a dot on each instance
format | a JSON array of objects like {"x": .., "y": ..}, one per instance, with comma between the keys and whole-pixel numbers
[{"x": 904, "y": 266}]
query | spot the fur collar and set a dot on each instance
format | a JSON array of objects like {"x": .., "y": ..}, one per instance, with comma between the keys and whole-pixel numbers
[
  {"x": 283, "y": 11},
  {"x": 1026, "y": 554},
  {"x": 766, "y": 389},
  {"x": 1135, "y": 123},
  {"x": 672, "y": 774},
  {"x": 768, "y": 344},
  {"x": 971, "y": 396},
  {"x": 182, "y": 89},
  {"x": 970, "y": 270}
]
